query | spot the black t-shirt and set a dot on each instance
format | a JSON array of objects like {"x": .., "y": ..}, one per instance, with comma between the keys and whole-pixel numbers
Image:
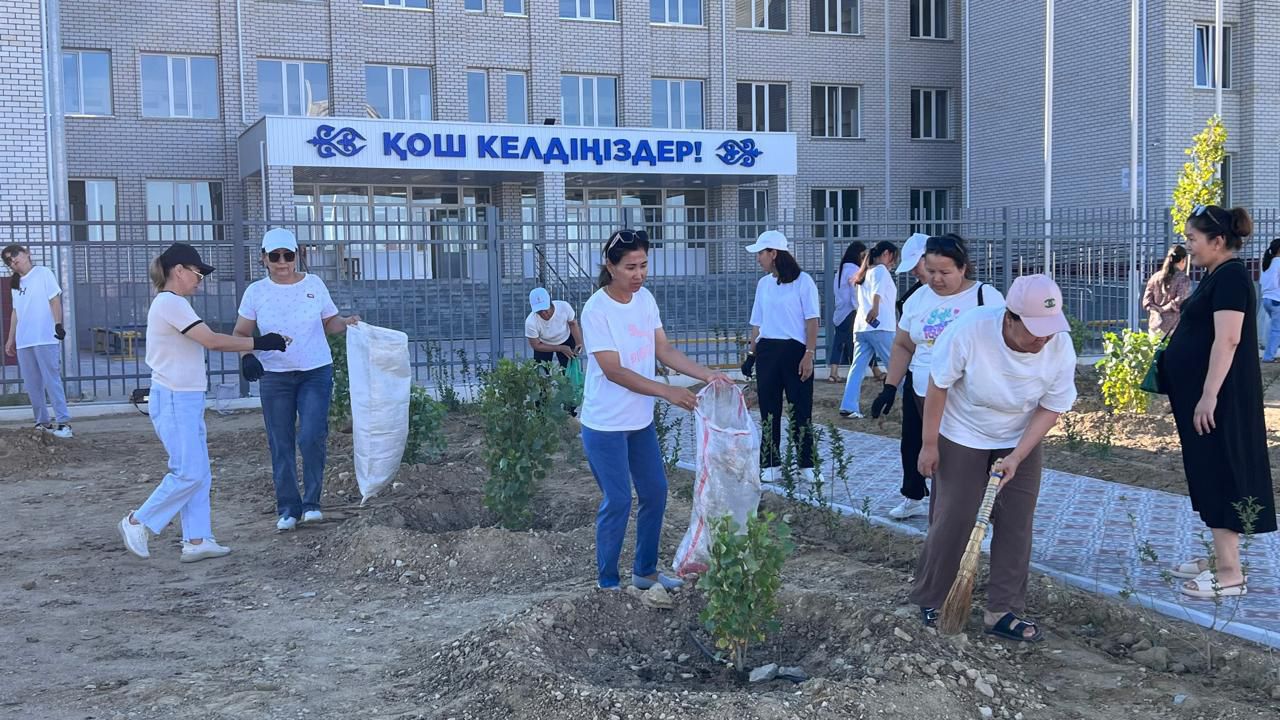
[{"x": 1228, "y": 287}]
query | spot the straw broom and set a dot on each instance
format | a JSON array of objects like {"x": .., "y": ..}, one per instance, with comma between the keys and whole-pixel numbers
[{"x": 955, "y": 611}]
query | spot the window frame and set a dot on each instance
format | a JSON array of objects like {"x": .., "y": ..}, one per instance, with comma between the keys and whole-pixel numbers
[
  {"x": 524, "y": 8},
  {"x": 406, "y": 88},
  {"x": 594, "y": 4},
  {"x": 169, "y": 59},
  {"x": 684, "y": 84},
  {"x": 102, "y": 233},
  {"x": 845, "y": 227},
  {"x": 475, "y": 11},
  {"x": 1197, "y": 55},
  {"x": 827, "y": 118},
  {"x": 915, "y": 26},
  {"x": 668, "y": 22},
  {"x": 185, "y": 227},
  {"x": 826, "y": 16},
  {"x": 397, "y": 5},
  {"x": 595, "y": 104},
  {"x": 936, "y": 225},
  {"x": 483, "y": 74},
  {"x": 755, "y": 86},
  {"x": 302, "y": 81},
  {"x": 111, "y": 100},
  {"x": 764, "y": 9},
  {"x": 524, "y": 95},
  {"x": 917, "y": 128},
  {"x": 1226, "y": 170}
]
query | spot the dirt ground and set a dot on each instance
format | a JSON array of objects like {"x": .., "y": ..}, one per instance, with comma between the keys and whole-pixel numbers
[{"x": 415, "y": 606}]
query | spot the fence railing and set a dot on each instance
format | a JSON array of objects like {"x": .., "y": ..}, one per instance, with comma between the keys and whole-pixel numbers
[{"x": 459, "y": 286}]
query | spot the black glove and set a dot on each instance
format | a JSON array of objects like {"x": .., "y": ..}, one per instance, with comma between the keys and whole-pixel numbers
[
  {"x": 270, "y": 341},
  {"x": 58, "y": 332},
  {"x": 251, "y": 368},
  {"x": 749, "y": 365},
  {"x": 884, "y": 401}
]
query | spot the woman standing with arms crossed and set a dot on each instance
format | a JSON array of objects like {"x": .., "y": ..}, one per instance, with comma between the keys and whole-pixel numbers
[
  {"x": 623, "y": 334},
  {"x": 295, "y": 388},
  {"x": 875, "y": 323},
  {"x": 784, "y": 335},
  {"x": 840, "y": 342},
  {"x": 35, "y": 329},
  {"x": 1211, "y": 371},
  {"x": 1166, "y": 291},
  {"x": 176, "y": 341}
]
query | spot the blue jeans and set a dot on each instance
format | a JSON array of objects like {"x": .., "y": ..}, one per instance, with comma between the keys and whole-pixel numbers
[
  {"x": 1273, "y": 329},
  {"x": 619, "y": 460},
  {"x": 868, "y": 344},
  {"x": 178, "y": 418},
  {"x": 295, "y": 408}
]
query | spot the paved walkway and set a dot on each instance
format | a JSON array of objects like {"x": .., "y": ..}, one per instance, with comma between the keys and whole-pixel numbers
[{"x": 1084, "y": 536}]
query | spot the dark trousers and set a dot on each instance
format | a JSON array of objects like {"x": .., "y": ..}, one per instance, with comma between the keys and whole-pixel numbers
[
  {"x": 913, "y": 483},
  {"x": 561, "y": 358},
  {"x": 778, "y": 372}
]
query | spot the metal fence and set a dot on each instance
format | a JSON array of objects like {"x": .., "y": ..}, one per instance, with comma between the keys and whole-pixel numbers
[{"x": 458, "y": 282}]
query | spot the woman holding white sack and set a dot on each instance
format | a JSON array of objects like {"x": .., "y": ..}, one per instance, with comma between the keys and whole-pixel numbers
[{"x": 295, "y": 388}]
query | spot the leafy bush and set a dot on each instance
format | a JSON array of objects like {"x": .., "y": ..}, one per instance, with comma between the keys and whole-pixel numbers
[
  {"x": 340, "y": 404},
  {"x": 426, "y": 421},
  {"x": 742, "y": 582},
  {"x": 522, "y": 407},
  {"x": 1125, "y": 360},
  {"x": 1080, "y": 333},
  {"x": 1200, "y": 182}
]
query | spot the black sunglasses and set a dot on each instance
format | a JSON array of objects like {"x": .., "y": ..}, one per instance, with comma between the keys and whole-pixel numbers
[
  {"x": 278, "y": 255},
  {"x": 626, "y": 237}
]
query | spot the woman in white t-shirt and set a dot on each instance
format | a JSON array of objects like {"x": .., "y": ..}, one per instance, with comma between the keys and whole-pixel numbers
[
  {"x": 840, "y": 336},
  {"x": 176, "y": 342},
  {"x": 874, "y": 325},
  {"x": 552, "y": 328},
  {"x": 1270, "y": 281},
  {"x": 998, "y": 381},
  {"x": 35, "y": 329},
  {"x": 623, "y": 333},
  {"x": 950, "y": 292},
  {"x": 296, "y": 388},
  {"x": 784, "y": 338}
]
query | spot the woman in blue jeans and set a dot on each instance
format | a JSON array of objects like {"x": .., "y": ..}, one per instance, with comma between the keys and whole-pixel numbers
[
  {"x": 875, "y": 324},
  {"x": 623, "y": 333},
  {"x": 1271, "y": 299},
  {"x": 176, "y": 341},
  {"x": 295, "y": 388}
]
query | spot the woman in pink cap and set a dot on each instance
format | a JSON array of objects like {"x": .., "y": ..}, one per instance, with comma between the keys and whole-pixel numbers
[{"x": 998, "y": 380}]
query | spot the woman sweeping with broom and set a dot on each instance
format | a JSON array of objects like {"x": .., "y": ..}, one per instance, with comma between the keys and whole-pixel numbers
[{"x": 999, "y": 379}]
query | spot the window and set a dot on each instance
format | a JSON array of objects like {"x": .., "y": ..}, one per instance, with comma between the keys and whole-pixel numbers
[
  {"x": 836, "y": 112},
  {"x": 929, "y": 19},
  {"x": 753, "y": 211},
  {"x": 929, "y": 116},
  {"x": 86, "y": 82},
  {"x": 677, "y": 104},
  {"x": 676, "y": 12},
  {"x": 477, "y": 96},
  {"x": 514, "y": 7},
  {"x": 762, "y": 107},
  {"x": 182, "y": 204},
  {"x": 288, "y": 87},
  {"x": 839, "y": 208},
  {"x": 762, "y": 14},
  {"x": 397, "y": 93},
  {"x": 927, "y": 205},
  {"x": 94, "y": 201},
  {"x": 474, "y": 6},
  {"x": 589, "y": 100},
  {"x": 1205, "y": 56},
  {"x": 1224, "y": 174},
  {"x": 588, "y": 9},
  {"x": 835, "y": 16},
  {"x": 418, "y": 4},
  {"x": 517, "y": 98},
  {"x": 177, "y": 86}
]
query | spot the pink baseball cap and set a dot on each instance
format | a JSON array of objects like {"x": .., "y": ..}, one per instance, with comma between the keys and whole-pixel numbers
[{"x": 1038, "y": 301}]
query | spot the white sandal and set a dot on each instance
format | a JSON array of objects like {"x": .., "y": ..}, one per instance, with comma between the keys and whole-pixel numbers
[
  {"x": 1190, "y": 569},
  {"x": 1206, "y": 588}
]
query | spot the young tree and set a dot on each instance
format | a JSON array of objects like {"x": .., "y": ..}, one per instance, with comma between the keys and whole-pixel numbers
[{"x": 1200, "y": 182}]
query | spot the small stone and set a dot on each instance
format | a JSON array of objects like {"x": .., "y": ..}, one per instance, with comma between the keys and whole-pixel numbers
[
  {"x": 971, "y": 674},
  {"x": 1177, "y": 668},
  {"x": 794, "y": 673},
  {"x": 453, "y": 563},
  {"x": 29, "y": 585},
  {"x": 682, "y": 658},
  {"x": 558, "y": 695},
  {"x": 764, "y": 673},
  {"x": 1143, "y": 644},
  {"x": 1275, "y": 693},
  {"x": 308, "y": 594},
  {"x": 984, "y": 687},
  {"x": 1231, "y": 654},
  {"x": 902, "y": 635},
  {"x": 1157, "y": 658},
  {"x": 591, "y": 652},
  {"x": 1179, "y": 699},
  {"x": 986, "y": 712},
  {"x": 1126, "y": 639},
  {"x": 657, "y": 598}
]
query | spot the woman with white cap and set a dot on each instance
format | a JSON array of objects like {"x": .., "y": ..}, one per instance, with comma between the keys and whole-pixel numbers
[
  {"x": 176, "y": 341},
  {"x": 296, "y": 388},
  {"x": 875, "y": 323},
  {"x": 999, "y": 379},
  {"x": 784, "y": 338},
  {"x": 552, "y": 329}
]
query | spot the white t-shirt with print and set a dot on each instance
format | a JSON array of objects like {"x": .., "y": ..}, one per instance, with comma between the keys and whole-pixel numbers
[
  {"x": 879, "y": 281},
  {"x": 176, "y": 361},
  {"x": 297, "y": 311},
  {"x": 31, "y": 302},
  {"x": 926, "y": 314},
  {"x": 554, "y": 331},
  {"x": 780, "y": 311},
  {"x": 629, "y": 330},
  {"x": 992, "y": 390}
]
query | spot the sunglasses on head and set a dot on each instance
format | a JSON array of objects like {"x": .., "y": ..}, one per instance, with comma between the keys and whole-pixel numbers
[
  {"x": 940, "y": 243},
  {"x": 626, "y": 237},
  {"x": 1199, "y": 210},
  {"x": 278, "y": 255}
]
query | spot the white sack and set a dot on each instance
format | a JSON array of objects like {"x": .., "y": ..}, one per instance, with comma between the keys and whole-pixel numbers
[{"x": 378, "y": 366}]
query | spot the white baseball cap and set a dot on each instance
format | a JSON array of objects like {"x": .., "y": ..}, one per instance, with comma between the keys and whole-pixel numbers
[
  {"x": 1038, "y": 301},
  {"x": 912, "y": 251},
  {"x": 770, "y": 240},
  {"x": 539, "y": 299},
  {"x": 279, "y": 239}
]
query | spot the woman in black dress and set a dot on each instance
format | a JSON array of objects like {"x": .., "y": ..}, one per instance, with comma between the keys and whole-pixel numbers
[{"x": 1214, "y": 382}]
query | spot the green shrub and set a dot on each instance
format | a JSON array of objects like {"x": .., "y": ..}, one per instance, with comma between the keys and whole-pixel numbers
[
  {"x": 426, "y": 423},
  {"x": 1125, "y": 360},
  {"x": 742, "y": 582},
  {"x": 340, "y": 404},
  {"x": 522, "y": 407}
]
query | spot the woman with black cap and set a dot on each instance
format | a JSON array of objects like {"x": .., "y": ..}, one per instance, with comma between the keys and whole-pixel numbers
[{"x": 176, "y": 342}]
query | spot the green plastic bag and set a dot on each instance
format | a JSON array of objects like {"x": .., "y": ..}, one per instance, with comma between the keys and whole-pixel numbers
[{"x": 577, "y": 376}]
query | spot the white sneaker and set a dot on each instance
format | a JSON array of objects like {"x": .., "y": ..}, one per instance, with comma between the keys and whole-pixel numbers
[
  {"x": 135, "y": 537},
  {"x": 61, "y": 431},
  {"x": 311, "y": 516},
  {"x": 771, "y": 476},
  {"x": 207, "y": 549},
  {"x": 909, "y": 508},
  {"x": 286, "y": 523}
]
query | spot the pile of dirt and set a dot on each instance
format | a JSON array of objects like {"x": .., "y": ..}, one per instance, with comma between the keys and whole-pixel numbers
[{"x": 30, "y": 450}]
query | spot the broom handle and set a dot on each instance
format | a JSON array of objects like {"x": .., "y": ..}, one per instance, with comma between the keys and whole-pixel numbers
[{"x": 989, "y": 500}]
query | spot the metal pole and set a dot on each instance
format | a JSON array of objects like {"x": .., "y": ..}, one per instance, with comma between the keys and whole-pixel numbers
[
  {"x": 1048, "y": 136},
  {"x": 967, "y": 90},
  {"x": 495, "y": 289},
  {"x": 1133, "y": 164},
  {"x": 832, "y": 276},
  {"x": 888, "y": 104},
  {"x": 1218, "y": 56}
]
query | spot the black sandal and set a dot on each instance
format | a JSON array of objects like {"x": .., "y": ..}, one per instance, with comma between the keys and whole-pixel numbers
[
  {"x": 929, "y": 616},
  {"x": 1012, "y": 627}
]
